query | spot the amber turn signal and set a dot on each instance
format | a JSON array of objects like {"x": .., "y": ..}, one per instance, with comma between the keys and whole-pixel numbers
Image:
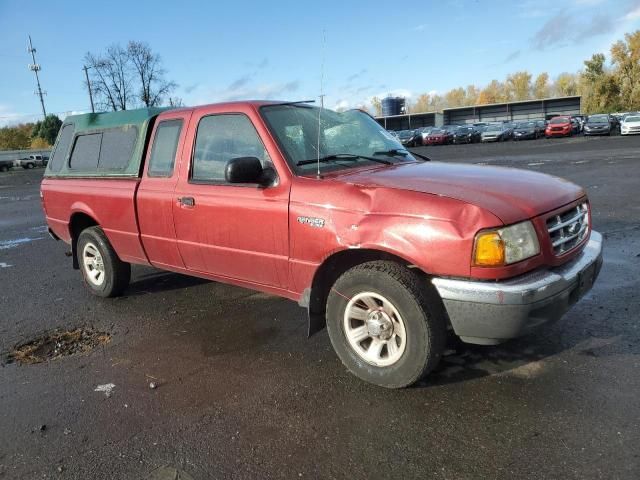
[{"x": 489, "y": 250}]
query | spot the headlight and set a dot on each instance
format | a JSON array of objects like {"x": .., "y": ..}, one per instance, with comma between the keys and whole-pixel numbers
[{"x": 503, "y": 246}]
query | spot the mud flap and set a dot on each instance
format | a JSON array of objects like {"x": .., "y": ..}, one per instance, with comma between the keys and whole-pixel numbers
[{"x": 317, "y": 322}]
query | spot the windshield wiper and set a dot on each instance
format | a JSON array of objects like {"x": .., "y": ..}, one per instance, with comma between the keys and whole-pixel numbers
[
  {"x": 402, "y": 153},
  {"x": 352, "y": 157},
  {"x": 393, "y": 151}
]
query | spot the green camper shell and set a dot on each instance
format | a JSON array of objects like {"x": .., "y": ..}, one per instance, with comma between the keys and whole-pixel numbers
[{"x": 109, "y": 144}]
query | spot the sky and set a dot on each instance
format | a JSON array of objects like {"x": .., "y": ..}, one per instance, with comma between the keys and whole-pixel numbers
[{"x": 226, "y": 50}]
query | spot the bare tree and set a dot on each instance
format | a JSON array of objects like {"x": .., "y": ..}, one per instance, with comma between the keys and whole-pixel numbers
[
  {"x": 126, "y": 78},
  {"x": 153, "y": 87},
  {"x": 111, "y": 78}
]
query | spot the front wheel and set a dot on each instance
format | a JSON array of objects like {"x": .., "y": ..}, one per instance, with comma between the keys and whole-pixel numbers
[
  {"x": 381, "y": 326},
  {"x": 103, "y": 272}
]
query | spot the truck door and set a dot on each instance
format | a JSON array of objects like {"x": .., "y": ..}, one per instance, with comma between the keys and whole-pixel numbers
[
  {"x": 156, "y": 192},
  {"x": 231, "y": 230}
]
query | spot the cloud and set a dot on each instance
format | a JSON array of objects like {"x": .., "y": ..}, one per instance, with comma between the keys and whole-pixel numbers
[
  {"x": 240, "y": 82},
  {"x": 355, "y": 76},
  {"x": 264, "y": 63},
  {"x": 633, "y": 14},
  {"x": 191, "y": 88},
  {"x": 562, "y": 29},
  {"x": 554, "y": 31},
  {"x": 599, "y": 25},
  {"x": 265, "y": 91},
  {"x": 419, "y": 28},
  {"x": 512, "y": 56}
]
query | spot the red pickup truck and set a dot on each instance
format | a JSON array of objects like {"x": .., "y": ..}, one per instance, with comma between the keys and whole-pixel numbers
[{"x": 387, "y": 249}]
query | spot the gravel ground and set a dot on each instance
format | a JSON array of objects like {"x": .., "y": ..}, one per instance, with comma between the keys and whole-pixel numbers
[{"x": 240, "y": 392}]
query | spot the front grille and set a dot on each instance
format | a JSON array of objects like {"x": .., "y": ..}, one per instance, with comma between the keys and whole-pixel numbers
[{"x": 569, "y": 228}]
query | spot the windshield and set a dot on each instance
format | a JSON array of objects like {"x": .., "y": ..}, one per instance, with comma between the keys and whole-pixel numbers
[
  {"x": 405, "y": 133},
  {"x": 494, "y": 128},
  {"x": 598, "y": 119},
  {"x": 632, "y": 119},
  {"x": 526, "y": 125},
  {"x": 295, "y": 127},
  {"x": 558, "y": 120},
  {"x": 436, "y": 131},
  {"x": 464, "y": 130}
]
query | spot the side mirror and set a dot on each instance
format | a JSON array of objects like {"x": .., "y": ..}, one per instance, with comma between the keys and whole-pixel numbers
[{"x": 244, "y": 170}]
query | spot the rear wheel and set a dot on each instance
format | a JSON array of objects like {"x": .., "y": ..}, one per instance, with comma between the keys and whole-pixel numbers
[
  {"x": 103, "y": 272},
  {"x": 381, "y": 325}
]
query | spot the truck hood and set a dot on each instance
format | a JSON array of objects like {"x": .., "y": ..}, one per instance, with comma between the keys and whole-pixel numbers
[{"x": 510, "y": 194}]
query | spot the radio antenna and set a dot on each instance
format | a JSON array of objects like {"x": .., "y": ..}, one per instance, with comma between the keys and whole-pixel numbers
[{"x": 321, "y": 102}]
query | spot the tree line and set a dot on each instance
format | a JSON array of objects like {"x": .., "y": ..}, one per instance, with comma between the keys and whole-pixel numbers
[
  {"x": 27, "y": 136},
  {"x": 605, "y": 86}
]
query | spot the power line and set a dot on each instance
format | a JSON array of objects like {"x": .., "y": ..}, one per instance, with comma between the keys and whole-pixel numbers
[{"x": 35, "y": 68}]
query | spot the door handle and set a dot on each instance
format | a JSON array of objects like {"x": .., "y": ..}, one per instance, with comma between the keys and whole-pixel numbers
[{"x": 187, "y": 201}]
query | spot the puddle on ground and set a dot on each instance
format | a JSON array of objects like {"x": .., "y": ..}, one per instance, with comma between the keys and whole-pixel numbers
[{"x": 58, "y": 344}]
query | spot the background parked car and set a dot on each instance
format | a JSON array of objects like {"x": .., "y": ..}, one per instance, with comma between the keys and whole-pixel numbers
[
  {"x": 495, "y": 132},
  {"x": 560, "y": 126},
  {"x": 423, "y": 133},
  {"x": 439, "y": 136},
  {"x": 466, "y": 135},
  {"x": 597, "y": 125},
  {"x": 6, "y": 165},
  {"x": 409, "y": 138},
  {"x": 33, "y": 161},
  {"x": 630, "y": 125},
  {"x": 575, "y": 126},
  {"x": 526, "y": 131}
]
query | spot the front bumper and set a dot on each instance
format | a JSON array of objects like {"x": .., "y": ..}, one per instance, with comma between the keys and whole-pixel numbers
[
  {"x": 489, "y": 313},
  {"x": 596, "y": 131}
]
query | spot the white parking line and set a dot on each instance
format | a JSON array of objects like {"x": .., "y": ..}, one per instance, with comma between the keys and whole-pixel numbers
[
  {"x": 16, "y": 242},
  {"x": 535, "y": 164}
]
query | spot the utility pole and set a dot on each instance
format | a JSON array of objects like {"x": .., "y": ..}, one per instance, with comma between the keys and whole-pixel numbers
[
  {"x": 35, "y": 68},
  {"x": 85, "y": 68}
]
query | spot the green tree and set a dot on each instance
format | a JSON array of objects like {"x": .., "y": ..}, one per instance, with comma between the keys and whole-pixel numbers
[
  {"x": 16, "y": 138},
  {"x": 518, "y": 86},
  {"x": 566, "y": 85},
  {"x": 541, "y": 86},
  {"x": 472, "y": 95},
  {"x": 47, "y": 129},
  {"x": 599, "y": 89},
  {"x": 492, "y": 93},
  {"x": 421, "y": 104},
  {"x": 376, "y": 103},
  {"x": 455, "y": 97},
  {"x": 625, "y": 58}
]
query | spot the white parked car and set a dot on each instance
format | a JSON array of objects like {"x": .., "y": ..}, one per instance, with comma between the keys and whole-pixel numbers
[{"x": 630, "y": 125}]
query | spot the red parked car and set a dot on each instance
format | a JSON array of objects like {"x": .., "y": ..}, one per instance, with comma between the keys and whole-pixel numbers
[
  {"x": 438, "y": 136},
  {"x": 559, "y": 127},
  {"x": 385, "y": 248}
]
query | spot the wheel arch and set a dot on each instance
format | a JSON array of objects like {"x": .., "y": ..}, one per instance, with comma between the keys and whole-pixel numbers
[
  {"x": 315, "y": 297},
  {"x": 78, "y": 222}
]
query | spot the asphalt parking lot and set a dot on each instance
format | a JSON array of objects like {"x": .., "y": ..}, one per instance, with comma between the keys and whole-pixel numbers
[{"x": 240, "y": 392}]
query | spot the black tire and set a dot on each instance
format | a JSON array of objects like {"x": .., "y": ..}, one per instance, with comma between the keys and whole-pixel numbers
[
  {"x": 424, "y": 331},
  {"x": 4, "y": 168},
  {"x": 117, "y": 273},
  {"x": 30, "y": 166}
]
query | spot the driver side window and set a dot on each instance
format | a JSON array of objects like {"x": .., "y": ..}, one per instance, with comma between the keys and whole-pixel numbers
[{"x": 220, "y": 138}]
